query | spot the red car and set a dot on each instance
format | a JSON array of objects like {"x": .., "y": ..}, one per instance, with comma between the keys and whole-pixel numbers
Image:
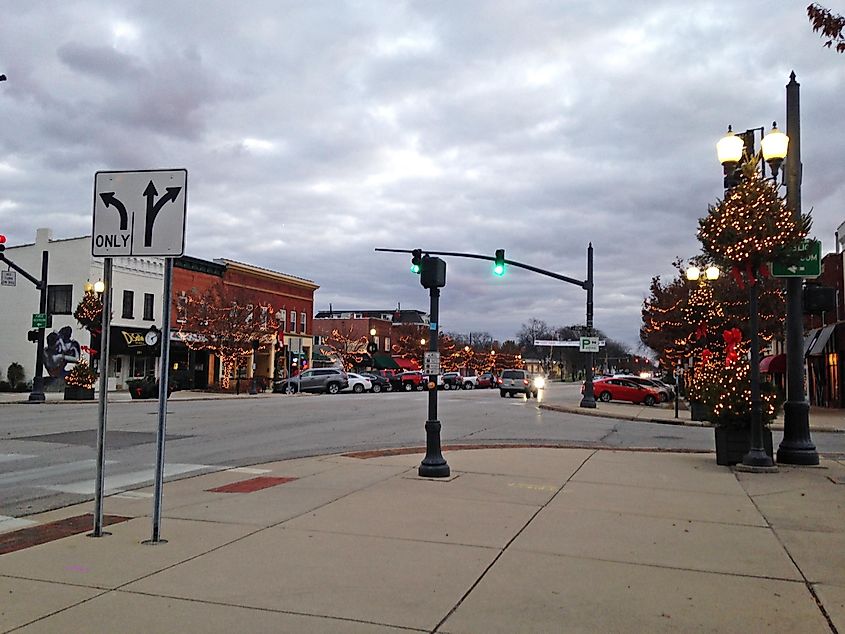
[
  {"x": 409, "y": 381},
  {"x": 619, "y": 389}
]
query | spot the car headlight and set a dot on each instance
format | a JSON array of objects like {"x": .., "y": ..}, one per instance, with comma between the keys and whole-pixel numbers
[{"x": 539, "y": 382}]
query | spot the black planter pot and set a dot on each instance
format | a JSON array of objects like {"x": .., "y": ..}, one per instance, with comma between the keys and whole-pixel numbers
[
  {"x": 74, "y": 393},
  {"x": 732, "y": 443},
  {"x": 698, "y": 411}
]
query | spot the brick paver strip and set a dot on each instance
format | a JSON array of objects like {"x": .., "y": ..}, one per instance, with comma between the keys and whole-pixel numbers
[
  {"x": 43, "y": 533},
  {"x": 253, "y": 484}
]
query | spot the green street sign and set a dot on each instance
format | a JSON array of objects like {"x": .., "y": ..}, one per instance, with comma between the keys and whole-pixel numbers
[
  {"x": 39, "y": 320},
  {"x": 809, "y": 264}
]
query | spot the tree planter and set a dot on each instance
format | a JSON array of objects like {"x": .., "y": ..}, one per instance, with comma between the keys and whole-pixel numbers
[
  {"x": 732, "y": 443},
  {"x": 75, "y": 393},
  {"x": 698, "y": 411}
]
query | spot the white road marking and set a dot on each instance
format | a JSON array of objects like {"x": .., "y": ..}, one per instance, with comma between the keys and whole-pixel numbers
[
  {"x": 8, "y": 524},
  {"x": 8, "y": 457},
  {"x": 118, "y": 483},
  {"x": 49, "y": 473}
]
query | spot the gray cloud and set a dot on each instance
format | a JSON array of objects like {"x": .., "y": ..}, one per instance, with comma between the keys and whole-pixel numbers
[{"x": 314, "y": 132}]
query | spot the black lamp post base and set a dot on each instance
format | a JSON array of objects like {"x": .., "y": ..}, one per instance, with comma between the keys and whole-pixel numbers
[
  {"x": 434, "y": 470},
  {"x": 37, "y": 397},
  {"x": 796, "y": 447},
  {"x": 588, "y": 403},
  {"x": 757, "y": 457},
  {"x": 434, "y": 464}
]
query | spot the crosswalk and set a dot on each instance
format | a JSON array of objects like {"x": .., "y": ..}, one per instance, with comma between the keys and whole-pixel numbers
[{"x": 79, "y": 477}]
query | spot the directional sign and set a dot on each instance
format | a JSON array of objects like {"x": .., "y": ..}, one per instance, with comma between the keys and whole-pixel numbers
[
  {"x": 7, "y": 278},
  {"x": 589, "y": 344},
  {"x": 810, "y": 264},
  {"x": 39, "y": 320},
  {"x": 139, "y": 213},
  {"x": 555, "y": 343}
]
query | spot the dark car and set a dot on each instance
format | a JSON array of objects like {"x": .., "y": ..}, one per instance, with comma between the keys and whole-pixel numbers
[
  {"x": 328, "y": 380},
  {"x": 380, "y": 384},
  {"x": 623, "y": 389}
]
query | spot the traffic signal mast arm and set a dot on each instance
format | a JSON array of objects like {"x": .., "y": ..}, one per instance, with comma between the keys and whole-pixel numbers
[
  {"x": 563, "y": 278},
  {"x": 38, "y": 283}
]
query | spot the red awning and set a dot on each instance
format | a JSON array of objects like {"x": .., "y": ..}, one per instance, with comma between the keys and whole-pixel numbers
[
  {"x": 774, "y": 365},
  {"x": 406, "y": 364}
]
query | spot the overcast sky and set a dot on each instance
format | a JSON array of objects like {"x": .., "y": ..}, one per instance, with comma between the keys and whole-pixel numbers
[{"x": 314, "y": 132}]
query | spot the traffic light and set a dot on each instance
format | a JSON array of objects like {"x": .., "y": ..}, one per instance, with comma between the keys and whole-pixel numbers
[
  {"x": 32, "y": 336},
  {"x": 2, "y": 243},
  {"x": 499, "y": 266},
  {"x": 416, "y": 260}
]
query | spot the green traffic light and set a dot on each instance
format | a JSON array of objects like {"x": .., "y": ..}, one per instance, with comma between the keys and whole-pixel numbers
[
  {"x": 499, "y": 266},
  {"x": 415, "y": 268}
]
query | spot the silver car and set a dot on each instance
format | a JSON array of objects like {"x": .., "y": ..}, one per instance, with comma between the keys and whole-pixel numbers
[
  {"x": 517, "y": 382},
  {"x": 328, "y": 380}
]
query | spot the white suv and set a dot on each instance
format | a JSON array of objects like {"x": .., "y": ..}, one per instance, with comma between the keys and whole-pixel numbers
[{"x": 516, "y": 382}]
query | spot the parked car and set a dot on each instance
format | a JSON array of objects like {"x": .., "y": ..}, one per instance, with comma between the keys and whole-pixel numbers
[
  {"x": 358, "y": 383},
  {"x": 663, "y": 391},
  {"x": 450, "y": 381},
  {"x": 328, "y": 380},
  {"x": 517, "y": 382},
  {"x": 623, "y": 389},
  {"x": 410, "y": 381},
  {"x": 380, "y": 383},
  {"x": 470, "y": 381},
  {"x": 486, "y": 380}
]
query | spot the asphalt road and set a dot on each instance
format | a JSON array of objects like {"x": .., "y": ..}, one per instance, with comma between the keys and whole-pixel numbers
[{"x": 47, "y": 452}]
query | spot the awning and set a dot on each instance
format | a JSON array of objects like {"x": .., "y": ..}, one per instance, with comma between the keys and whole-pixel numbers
[
  {"x": 810, "y": 339},
  {"x": 821, "y": 341},
  {"x": 384, "y": 362},
  {"x": 774, "y": 365},
  {"x": 406, "y": 364}
]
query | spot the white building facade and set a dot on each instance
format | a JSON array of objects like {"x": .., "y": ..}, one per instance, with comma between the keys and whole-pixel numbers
[{"x": 137, "y": 295}]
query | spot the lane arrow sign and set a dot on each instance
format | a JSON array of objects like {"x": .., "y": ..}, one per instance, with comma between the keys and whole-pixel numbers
[
  {"x": 154, "y": 207},
  {"x": 109, "y": 200}
]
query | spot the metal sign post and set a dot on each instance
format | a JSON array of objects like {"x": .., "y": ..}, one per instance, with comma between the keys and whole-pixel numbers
[
  {"x": 102, "y": 410},
  {"x": 163, "y": 384}
]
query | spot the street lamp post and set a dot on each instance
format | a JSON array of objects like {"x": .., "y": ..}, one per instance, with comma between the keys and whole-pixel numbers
[
  {"x": 796, "y": 447},
  {"x": 730, "y": 151}
]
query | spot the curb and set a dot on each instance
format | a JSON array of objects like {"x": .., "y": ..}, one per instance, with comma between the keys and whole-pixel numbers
[{"x": 664, "y": 421}]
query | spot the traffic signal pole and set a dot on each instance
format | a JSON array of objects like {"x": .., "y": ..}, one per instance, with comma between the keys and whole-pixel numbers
[
  {"x": 588, "y": 400},
  {"x": 434, "y": 464},
  {"x": 37, "y": 394}
]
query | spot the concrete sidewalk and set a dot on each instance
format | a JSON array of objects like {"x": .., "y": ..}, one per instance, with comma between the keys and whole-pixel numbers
[{"x": 517, "y": 540}]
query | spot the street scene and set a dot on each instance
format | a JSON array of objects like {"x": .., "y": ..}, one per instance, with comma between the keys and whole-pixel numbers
[{"x": 421, "y": 317}]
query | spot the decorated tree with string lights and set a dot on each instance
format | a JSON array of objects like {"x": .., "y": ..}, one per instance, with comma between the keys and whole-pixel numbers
[
  {"x": 723, "y": 385},
  {"x": 225, "y": 322},
  {"x": 749, "y": 228},
  {"x": 681, "y": 318},
  {"x": 89, "y": 315},
  {"x": 343, "y": 347}
]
